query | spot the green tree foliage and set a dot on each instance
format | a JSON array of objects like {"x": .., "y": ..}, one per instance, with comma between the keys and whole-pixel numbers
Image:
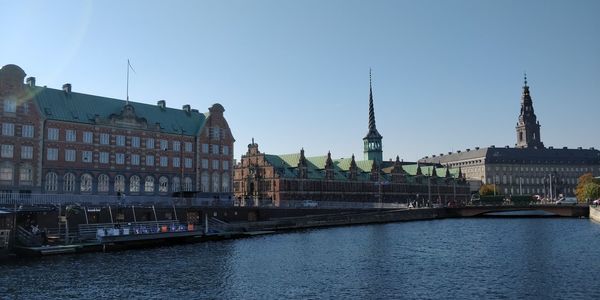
[
  {"x": 591, "y": 191},
  {"x": 487, "y": 190},
  {"x": 584, "y": 192}
]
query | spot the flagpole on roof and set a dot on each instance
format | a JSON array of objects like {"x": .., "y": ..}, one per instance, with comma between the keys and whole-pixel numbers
[
  {"x": 127, "y": 82},
  {"x": 128, "y": 67}
]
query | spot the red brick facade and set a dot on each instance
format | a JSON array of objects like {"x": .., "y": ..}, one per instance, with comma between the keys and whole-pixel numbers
[
  {"x": 258, "y": 181},
  {"x": 20, "y": 163},
  {"x": 122, "y": 152}
]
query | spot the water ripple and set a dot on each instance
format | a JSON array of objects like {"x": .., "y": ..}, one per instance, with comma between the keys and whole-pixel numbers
[{"x": 444, "y": 259}]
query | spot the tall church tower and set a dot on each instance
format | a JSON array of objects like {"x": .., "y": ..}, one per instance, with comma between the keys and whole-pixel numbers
[
  {"x": 372, "y": 142},
  {"x": 528, "y": 128}
]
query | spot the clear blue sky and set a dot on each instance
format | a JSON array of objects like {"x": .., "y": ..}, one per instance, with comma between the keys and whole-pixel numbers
[{"x": 447, "y": 75}]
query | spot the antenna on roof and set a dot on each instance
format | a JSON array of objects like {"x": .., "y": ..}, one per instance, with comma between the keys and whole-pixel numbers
[{"x": 128, "y": 67}]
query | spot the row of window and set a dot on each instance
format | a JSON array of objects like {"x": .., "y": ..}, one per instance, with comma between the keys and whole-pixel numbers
[
  {"x": 120, "y": 140},
  {"x": 8, "y": 129},
  {"x": 529, "y": 191},
  {"x": 531, "y": 180},
  {"x": 216, "y": 133},
  {"x": 7, "y": 151},
  {"x": 547, "y": 169},
  {"x": 214, "y": 149},
  {"x": 220, "y": 183},
  {"x": 103, "y": 158},
  {"x": 7, "y": 173}
]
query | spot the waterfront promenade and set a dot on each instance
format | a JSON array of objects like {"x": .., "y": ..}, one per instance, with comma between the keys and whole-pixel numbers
[{"x": 202, "y": 223}]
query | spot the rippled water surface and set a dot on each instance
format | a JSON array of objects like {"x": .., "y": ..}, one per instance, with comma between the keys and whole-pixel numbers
[{"x": 444, "y": 259}]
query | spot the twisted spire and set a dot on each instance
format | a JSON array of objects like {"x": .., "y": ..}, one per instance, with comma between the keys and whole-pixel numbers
[{"x": 371, "y": 109}]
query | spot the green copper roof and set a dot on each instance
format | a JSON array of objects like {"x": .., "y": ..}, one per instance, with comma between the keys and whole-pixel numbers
[
  {"x": 82, "y": 108},
  {"x": 287, "y": 166}
]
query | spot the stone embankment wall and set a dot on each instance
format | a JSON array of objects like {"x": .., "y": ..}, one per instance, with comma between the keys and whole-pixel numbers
[
  {"x": 595, "y": 213},
  {"x": 341, "y": 219}
]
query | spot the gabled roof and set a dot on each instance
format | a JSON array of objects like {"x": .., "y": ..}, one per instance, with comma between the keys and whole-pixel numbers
[
  {"x": 83, "y": 108},
  {"x": 287, "y": 166}
]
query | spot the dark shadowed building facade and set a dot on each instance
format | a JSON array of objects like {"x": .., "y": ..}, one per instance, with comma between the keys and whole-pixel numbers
[{"x": 528, "y": 168}]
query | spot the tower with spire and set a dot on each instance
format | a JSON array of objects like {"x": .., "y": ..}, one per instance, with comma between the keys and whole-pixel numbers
[
  {"x": 372, "y": 141},
  {"x": 528, "y": 127}
]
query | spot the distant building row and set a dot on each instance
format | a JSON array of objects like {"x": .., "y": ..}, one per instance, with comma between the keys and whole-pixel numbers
[{"x": 529, "y": 168}]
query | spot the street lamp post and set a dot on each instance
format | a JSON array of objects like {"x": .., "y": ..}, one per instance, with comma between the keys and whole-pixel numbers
[
  {"x": 551, "y": 194},
  {"x": 429, "y": 187}
]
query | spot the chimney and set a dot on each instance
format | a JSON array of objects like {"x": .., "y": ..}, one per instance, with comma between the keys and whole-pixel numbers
[
  {"x": 31, "y": 81},
  {"x": 162, "y": 104},
  {"x": 67, "y": 88},
  {"x": 187, "y": 108}
]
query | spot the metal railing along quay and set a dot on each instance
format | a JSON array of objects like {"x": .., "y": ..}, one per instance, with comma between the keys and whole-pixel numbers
[
  {"x": 11, "y": 200},
  {"x": 104, "y": 200}
]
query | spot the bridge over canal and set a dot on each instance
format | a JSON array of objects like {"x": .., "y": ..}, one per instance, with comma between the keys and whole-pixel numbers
[{"x": 553, "y": 209}]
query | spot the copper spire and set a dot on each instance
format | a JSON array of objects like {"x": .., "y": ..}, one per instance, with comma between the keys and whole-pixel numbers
[{"x": 371, "y": 109}]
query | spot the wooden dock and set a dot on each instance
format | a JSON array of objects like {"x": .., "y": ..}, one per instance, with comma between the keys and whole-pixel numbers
[{"x": 132, "y": 241}]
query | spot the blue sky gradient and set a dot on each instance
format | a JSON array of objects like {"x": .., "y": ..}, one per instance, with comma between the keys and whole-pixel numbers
[{"x": 447, "y": 75}]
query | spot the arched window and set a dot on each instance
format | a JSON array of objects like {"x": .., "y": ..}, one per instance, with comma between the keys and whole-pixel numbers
[
  {"x": 216, "y": 184},
  {"x": 176, "y": 184},
  {"x": 69, "y": 183},
  {"x": 103, "y": 183},
  {"x": 204, "y": 182},
  {"x": 163, "y": 184},
  {"x": 119, "y": 184},
  {"x": 187, "y": 184},
  {"x": 26, "y": 174},
  {"x": 134, "y": 184},
  {"x": 149, "y": 184},
  {"x": 86, "y": 183},
  {"x": 225, "y": 182},
  {"x": 51, "y": 182}
]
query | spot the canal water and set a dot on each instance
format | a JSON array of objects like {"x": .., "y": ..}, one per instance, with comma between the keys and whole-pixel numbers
[{"x": 489, "y": 258}]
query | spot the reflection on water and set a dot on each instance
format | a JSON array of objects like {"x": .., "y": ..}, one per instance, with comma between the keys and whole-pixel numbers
[{"x": 463, "y": 258}]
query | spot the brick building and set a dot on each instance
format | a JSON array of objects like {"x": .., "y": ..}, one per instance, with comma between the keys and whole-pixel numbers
[
  {"x": 261, "y": 178},
  {"x": 60, "y": 141},
  {"x": 529, "y": 167}
]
